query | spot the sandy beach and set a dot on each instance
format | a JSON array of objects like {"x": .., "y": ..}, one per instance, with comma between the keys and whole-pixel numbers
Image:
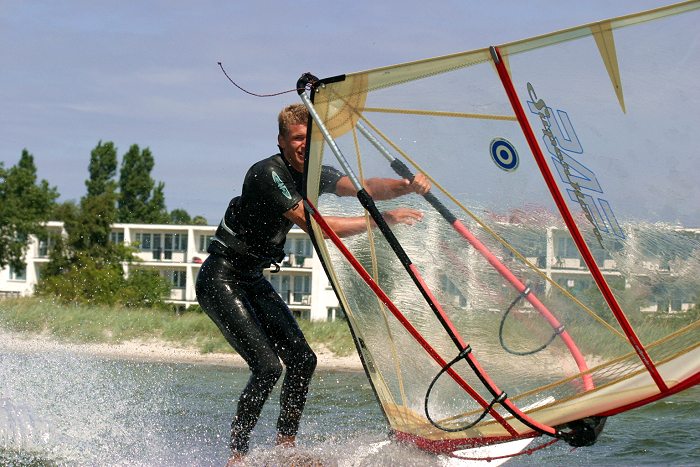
[{"x": 153, "y": 351}]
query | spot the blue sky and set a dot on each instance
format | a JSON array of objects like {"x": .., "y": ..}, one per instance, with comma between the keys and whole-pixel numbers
[{"x": 74, "y": 73}]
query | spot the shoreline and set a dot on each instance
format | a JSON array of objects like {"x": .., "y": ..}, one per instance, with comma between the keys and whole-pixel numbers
[{"x": 153, "y": 351}]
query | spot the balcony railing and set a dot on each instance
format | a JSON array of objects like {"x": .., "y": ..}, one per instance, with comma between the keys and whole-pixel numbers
[
  {"x": 297, "y": 261},
  {"x": 296, "y": 298}
]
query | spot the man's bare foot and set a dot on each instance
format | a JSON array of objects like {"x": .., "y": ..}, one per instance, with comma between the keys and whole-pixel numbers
[
  {"x": 235, "y": 459},
  {"x": 287, "y": 441}
]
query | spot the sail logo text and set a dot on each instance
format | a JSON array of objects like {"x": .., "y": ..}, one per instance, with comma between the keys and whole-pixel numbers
[{"x": 561, "y": 141}]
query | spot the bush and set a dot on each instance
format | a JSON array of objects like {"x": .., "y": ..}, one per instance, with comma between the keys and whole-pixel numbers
[
  {"x": 144, "y": 289},
  {"x": 91, "y": 282},
  {"x": 85, "y": 281}
]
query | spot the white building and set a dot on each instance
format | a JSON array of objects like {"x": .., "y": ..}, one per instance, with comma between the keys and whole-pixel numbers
[{"x": 177, "y": 252}]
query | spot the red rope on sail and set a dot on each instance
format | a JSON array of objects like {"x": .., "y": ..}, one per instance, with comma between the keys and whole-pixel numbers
[{"x": 505, "y": 456}]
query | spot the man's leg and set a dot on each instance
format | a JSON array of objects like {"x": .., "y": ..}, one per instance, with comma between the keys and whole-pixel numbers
[
  {"x": 227, "y": 303},
  {"x": 292, "y": 348}
]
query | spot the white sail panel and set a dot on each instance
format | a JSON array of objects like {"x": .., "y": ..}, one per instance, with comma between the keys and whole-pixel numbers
[{"x": 619, "y": 138}]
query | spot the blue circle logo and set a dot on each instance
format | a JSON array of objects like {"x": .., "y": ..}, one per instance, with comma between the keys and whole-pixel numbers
[{"x": 504, "y": 154}]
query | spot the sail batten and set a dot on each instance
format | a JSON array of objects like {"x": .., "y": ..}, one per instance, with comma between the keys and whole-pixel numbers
[{"x": 438, "y": 113}]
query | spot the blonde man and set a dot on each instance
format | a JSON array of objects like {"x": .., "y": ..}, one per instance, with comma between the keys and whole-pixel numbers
[{"x": 232, "y": 290}]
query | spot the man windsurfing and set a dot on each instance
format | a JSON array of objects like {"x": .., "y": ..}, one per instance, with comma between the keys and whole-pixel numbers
[{"x": 234, "y": 293}]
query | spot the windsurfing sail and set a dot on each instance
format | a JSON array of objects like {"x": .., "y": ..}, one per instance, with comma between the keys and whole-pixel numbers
[{"x": 555, "y": 278}]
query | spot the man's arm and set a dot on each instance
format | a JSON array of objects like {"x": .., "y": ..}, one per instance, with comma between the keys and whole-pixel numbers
[
  {"x": 385, "y": 188},
  {"x": 347, "y": 226}
]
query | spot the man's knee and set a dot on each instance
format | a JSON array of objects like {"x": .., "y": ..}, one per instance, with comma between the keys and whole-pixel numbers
[
  {"x": 300, "y": 360},
  {"x": 306, "y": 363},
  {"x": 268, "y": 371}
]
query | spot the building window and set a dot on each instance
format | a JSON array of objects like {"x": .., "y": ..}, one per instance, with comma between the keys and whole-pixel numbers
[
  {"x": 302, "y": 315},
  {"x": 157, "y": 249},
  {"x": 302, "y": 290},
  {"x": 178, "y": 279},
  {"x": 116, "y": 237},
  {"x": 173, "y": 242},
  {"x": 176, "y": 242},
  {"x": 333, "y": 313},
  {"x": 566, "y": 248},
  {"x": 299, "y": 246},
  {"x": 45, "y": 246},
  {"x": 162, "y": 245},
  {"x": 283, "y": 285},
  {"x": 43, "y": 251},
  {"x": 18, "y": 274},
  {"x": 144, "y": 241},
  {"x": 204, "y": 241},
  {"x": 676, "y": 304},
  {"x": 298, "y": 249}
]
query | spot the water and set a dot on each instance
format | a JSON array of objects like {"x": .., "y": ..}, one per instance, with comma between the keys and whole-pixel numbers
[{"x": 61, "y": 408}]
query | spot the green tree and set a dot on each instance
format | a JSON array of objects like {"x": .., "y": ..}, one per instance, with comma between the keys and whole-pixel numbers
[
  {"x": 87, "y": 267},
  {"x": 102, "y": 169},
  {"x": 24, "y": 207},
  {"x": 89, "y": 230},
  {"x": 180, "y": 217},
  {"x": 89, "y": 225},
  {"x": 65, "y": 211},
  {"x": 140, "y": 199},
  {"x": 159, "y": 214}
]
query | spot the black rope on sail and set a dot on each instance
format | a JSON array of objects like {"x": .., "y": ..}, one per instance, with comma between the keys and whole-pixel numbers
[
  {"x": 501, "y": 339},
  {"x": 462, "y": 355}
]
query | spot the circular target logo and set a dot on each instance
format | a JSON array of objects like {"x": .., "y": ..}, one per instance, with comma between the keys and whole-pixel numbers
[{"x": 504, "y": 154}]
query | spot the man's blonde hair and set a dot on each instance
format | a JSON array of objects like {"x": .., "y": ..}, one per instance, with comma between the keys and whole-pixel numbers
[{"x": 294, "y": 114}]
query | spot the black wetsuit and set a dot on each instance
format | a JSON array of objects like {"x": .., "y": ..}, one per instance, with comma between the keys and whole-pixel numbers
[{"x": 251, "y": 315}]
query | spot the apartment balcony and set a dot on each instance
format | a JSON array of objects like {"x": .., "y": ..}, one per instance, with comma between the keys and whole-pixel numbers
[
  {"x": 296, "y": 298},
  {"x": 567, "y": 263},
  {"x": 168, "y": 256},
  {"x": 297, "y": 261},
  {"x": 178, "y": 294}
]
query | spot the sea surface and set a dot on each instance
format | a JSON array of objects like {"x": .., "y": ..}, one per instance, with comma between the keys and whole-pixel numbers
[{"x": 62, "y": 408}]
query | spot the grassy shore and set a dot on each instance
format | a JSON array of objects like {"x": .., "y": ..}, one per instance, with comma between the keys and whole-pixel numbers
[{"x": 99, "y": 324}]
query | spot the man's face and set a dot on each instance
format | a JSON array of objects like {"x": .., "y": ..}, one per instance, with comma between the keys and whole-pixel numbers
[{"x": 293, "y": 146}]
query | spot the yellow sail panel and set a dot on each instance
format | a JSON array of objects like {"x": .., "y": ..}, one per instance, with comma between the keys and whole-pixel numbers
[
  {"x": 602, "y": 33},
  {"x": 340, "y": 109},
  {"x": 344, "y": 100},
  {"x": 515, "y": 47}
]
